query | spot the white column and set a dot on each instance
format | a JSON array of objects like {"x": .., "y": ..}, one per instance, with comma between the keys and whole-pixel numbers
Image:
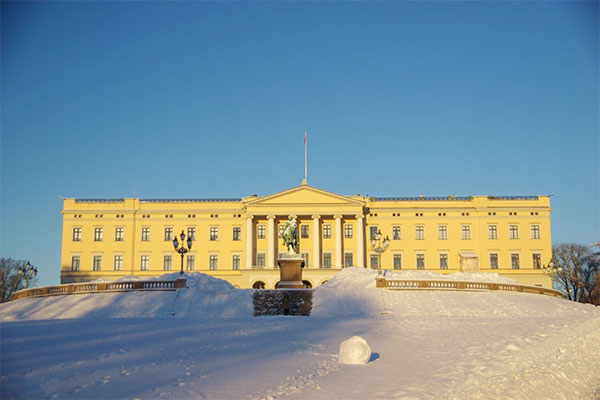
[
  {"x": 338, "y": 241},
  {"x": 271, "y": 242},
  {"x": 249, "y": 242},
  {"x": 316, "y": 241},
  {"x": 360, "y": 241}
]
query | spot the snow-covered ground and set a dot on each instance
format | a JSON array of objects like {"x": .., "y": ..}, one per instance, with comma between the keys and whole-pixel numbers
[{"x": 202, "y": 342}]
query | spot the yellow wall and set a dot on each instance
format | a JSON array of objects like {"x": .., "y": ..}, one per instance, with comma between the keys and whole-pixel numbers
[{"x": 304, "y": 202}]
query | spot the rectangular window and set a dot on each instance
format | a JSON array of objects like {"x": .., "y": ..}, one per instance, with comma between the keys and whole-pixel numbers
[
  {"x": 348, "y": 231},
  {"x": 514, "y": 261},
  {"x": 373, "y": 232},
  {"x": 75, "y": 263},
  {"x": 98, "y": 233},
  {"x": 326, "y": 260},
  {"x": 167, "y": 263},
  {"x": 513, "y": 231},
  {"x": 537, "y": 261},
  {"x": 420, "y": 261},
  {"x": 465, "y": 232},
  {"x": 261, "y": 231},
  {"x": 168, "y": 233},
  {"x": 492, "y": 232},
  {"x": 77, "y": 234},
  {"x": 305, "y": 257},
  {"x": 191, "y": 232},
  {"x": 237, "y": 233},
  {"x": 190, "y": 262},
  {"x": 213, "y": 262},
  {"x": 281, "y": 229},
  {"x": 396, "y": 233},
  {"x": 535, "y": 231},
  {"x": 443, "y": 261},
  {"x": 118, "y": 263},
  {"x": 214, "y": 233},
  {"x": 493, "y": 261},
  {"x": 144, "y": 263},
  {"x": 145, "y": 234},
  {"x": 348, "y": 262},
  {"x": 326, "y": 231},
  {"x": 374, "y": 261},
  {"x": 397, "y": 261},
  {"x": 119, "y": 234},
  {"x": 260, "y": 260},
  {"x": 442, "y": 232},
  {"x": 419, "y": 232},
  {"x": 97, "y": 263},
  {"x": 235, "y": 262},
  {"x": 304, "y": 231}
]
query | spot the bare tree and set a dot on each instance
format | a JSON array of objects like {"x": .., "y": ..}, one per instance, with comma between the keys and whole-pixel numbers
[
  {"x": 577, "y": 271},
  {"x": 10, "y": 278}
]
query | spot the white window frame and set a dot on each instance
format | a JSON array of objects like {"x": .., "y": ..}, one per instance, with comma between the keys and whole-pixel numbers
[
  {"x": 326, "y": 231},
  {"x": 145, "y": 234},
  {"x": 535, "y": 231},
  {"x": 118, "y": 267},
  {"x": 119, "y": 233},
  {"x": 396, "y": 228},
  {"x": 144, "y": 262},
  {"x": 492, "y": 231},
  {"x": 442, "y": 232},
  {"x": 213, "y": 233},
  {"x": 419, "y": 232},
  {"x": 190, "y": 257},
  {"x": 77, "y": 233},
  {"x": 261, "y": 231},
  {"x": 465, "y": 232},
  {"x": 98, "y": 233}
]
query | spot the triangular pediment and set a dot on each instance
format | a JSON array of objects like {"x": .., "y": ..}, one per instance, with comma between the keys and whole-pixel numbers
[{"x": 304, "y": 195}]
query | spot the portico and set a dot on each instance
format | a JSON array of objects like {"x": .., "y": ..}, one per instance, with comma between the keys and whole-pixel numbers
[{"x": 321, "y": 219}]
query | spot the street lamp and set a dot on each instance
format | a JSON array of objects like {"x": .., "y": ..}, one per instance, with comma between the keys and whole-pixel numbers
[
  {"x": 182, "y": 250},
  {"x": 379, "y": 245},
  {"x": 28, "y": 272},
  {"x": 550, "y": 268}
]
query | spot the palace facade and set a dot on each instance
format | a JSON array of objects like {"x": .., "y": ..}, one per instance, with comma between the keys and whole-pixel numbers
[{"x": 238, "y": 239}]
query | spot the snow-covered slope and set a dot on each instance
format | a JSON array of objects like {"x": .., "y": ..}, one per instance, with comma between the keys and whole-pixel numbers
[{"x": 442, "y": 345}]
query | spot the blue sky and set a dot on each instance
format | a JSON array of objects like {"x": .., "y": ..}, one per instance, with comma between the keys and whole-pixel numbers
[{"x": 202, "y": 99}]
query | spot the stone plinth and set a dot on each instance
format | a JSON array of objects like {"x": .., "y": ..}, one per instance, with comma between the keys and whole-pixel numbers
[{"x": 290, "y": 272}]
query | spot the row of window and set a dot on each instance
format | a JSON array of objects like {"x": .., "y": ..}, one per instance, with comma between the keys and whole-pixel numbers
[
  {"x": 465, "y": 232},
  {"x": 513, "y": 232},
  {"x": 443, "y": 261},
  {"x": 213, "y": 261}
]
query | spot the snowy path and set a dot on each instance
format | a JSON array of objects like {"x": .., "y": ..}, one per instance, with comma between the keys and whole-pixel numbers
[{"x": 429, "y": 345}]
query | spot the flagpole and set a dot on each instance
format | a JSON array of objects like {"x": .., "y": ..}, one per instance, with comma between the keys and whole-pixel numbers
[{"x": 305, "y": 161}]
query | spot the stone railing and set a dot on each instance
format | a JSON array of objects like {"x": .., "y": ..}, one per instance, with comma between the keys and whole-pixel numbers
[
  {"x": 99, "y": 287},
  {"x": 416, "y": 284}
]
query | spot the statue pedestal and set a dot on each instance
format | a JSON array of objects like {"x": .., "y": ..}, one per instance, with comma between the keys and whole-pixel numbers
[{"x": 290, "y": 272}]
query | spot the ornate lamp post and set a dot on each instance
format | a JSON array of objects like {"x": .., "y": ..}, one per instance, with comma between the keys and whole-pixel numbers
[
  {"x": 379, "y": 245},
  {"x": 28, "y": 272},
  {"x": 550, "y": 268},
  {"x": 182, "y": 250}
]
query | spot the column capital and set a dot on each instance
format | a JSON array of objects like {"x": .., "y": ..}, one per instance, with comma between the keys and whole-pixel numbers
[
  {"x": 249, "y": 216},
  {"x": 338, "y": 216},
  {"x": 315, "y": 216},
  {"x": 358, "y": 216},
  {"x": 271, "y": 216}
]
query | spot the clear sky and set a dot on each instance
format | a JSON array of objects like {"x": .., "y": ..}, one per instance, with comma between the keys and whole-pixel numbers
[{"x": 202, "y": 99}]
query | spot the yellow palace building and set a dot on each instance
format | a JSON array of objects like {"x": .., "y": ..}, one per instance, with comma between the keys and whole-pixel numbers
[{"x": 238, "y": 239}]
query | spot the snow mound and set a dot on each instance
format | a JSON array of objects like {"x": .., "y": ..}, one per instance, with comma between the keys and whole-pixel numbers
[
  {"x": 355, "y": 350},
  {"x": 203, "y": 297},
  {"x": 352, "y": 278},
  {"x": 455, "y": 276}
]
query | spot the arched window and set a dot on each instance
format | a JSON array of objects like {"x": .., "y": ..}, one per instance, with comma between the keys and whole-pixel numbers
[{"x": 258, "y": 285}]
